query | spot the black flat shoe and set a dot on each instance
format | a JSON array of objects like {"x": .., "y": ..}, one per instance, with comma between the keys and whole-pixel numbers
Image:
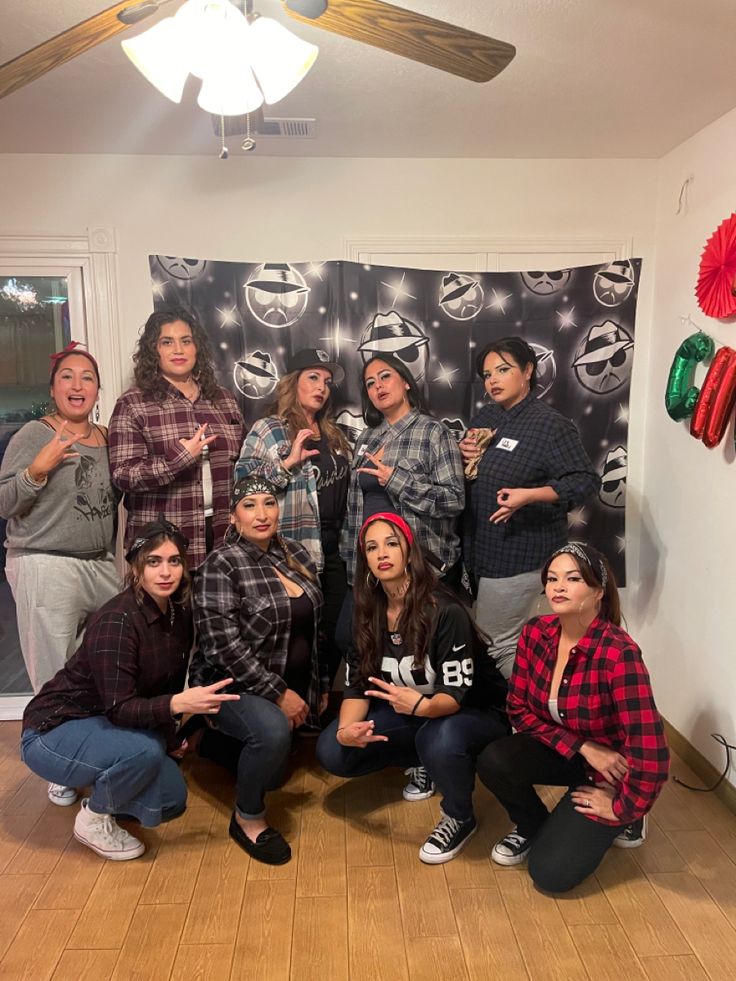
[{"x": 269, "y": 847}]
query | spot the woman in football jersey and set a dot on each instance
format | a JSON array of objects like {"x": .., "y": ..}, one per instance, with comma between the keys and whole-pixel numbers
[{"x": 421, "y": 691}]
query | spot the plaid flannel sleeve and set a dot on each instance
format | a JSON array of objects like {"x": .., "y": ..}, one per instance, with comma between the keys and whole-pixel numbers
[
  {"x": 522, "y": 716},
  {"x": 131, "y": 466},
  {"x": 217, "y": 619},
  {"x": 573, "y": 476},
  {"x": 645, "y": 747},
  {"x": 261, "y": 453},
  {"x": 115, "y": 670},
  {"x": 439, "y": 490}
]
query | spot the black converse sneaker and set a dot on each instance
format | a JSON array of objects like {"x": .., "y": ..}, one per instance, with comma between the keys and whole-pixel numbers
[
  {"x": 420, "y": 786},
  {"x": 511, "y": 850},
  {"x": 633, "y": 834},
  {"x": 447, "y": 839}
]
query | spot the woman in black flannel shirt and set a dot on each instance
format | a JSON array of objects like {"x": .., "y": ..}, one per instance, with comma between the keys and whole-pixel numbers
[
  {"x": 421, "y": 690},
  {"x": 107, "y": 719}
]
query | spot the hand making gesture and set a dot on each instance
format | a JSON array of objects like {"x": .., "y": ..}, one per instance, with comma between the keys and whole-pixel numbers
[
  {"x": 51, "y": 455},
  {"x": 379, "y": 469},
  {"x": 402, "y": 700},
  {"x": 299, "y": 453},
  {"x": 195, "y": 444}
]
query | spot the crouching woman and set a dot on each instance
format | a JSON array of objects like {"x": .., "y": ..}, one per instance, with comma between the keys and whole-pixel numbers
[
  {"x": 584, "y": 716},
  {"x": 422, "y": 691},
  {"x": 107, "y": 719}
]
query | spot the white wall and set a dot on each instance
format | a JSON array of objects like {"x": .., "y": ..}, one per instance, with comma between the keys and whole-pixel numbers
[
  {"x": 687, "y": 593},
  {"x": 281, "y": 209}
]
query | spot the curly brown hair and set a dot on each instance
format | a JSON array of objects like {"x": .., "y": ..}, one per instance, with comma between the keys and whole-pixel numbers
[
  {"x": 135, "y": 572},
  {"x": 147, "y": 372},
  {"x": 286, "y": 406}
]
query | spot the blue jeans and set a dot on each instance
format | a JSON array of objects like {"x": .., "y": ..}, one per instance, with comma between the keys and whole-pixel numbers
[
  {"x": 128, "y": 769},
  {"x": 264, "y": 731},
  {"x": 447, "y": 747}
]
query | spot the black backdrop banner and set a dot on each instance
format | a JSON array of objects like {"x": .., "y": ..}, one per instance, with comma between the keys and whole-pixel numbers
[{"x": 580, "y": 321}]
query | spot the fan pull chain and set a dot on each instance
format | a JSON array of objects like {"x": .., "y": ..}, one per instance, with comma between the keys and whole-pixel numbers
[
  {"x": 224, "y": 152},
  {"x": 248, "y": 143}
]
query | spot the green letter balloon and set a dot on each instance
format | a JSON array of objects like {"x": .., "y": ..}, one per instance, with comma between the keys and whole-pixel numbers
[{"x": 681, "y": 395}]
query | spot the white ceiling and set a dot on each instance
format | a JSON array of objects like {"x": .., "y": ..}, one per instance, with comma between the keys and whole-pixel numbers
[{"x": 591, "y": 78}]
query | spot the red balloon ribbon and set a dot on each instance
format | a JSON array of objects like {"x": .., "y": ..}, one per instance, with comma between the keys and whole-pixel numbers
[{"x": 716, "y": 400}]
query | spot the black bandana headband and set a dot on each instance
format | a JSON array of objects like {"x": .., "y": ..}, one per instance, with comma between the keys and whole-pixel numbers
[
  {"x": 576, "y": 549},
  {"x": 251, "y": 485},
  {"x": 152, "y": 530}
]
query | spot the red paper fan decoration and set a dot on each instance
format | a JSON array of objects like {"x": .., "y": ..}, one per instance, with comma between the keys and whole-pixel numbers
[{"x": 715, "y": 286}]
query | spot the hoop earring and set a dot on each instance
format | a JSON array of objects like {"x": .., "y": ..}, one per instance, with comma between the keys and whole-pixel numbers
[{"x": 369, "y": 584}]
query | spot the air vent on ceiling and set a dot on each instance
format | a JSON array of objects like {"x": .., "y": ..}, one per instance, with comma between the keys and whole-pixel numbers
[
  {"x": 303, "y": 129},
  {"x": 299, "y": 129}
]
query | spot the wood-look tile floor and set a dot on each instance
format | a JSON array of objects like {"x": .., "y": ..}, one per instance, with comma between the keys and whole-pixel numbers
[{"x": 355, "y": 902}]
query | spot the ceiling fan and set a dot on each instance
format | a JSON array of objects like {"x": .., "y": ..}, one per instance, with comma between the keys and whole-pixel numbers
[{"x": 436, "y": 43}]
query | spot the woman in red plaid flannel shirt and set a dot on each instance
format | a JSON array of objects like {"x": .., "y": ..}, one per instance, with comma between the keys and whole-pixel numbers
[{"x": 582, "y": 708}]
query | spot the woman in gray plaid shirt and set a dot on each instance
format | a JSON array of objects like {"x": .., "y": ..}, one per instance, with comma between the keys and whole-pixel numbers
[{"x": 406, "y": 462}]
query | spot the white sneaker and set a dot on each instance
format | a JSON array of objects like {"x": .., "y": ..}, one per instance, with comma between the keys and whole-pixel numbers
[
  {"x": 511, "y": 850},
  {"x": 103, "y": 835},
  {"x": 420, "y": 786},
  {"x": 61, "y": 795}
]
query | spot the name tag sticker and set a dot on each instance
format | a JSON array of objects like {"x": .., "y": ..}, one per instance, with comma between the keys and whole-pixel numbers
[{"x": 507, "y": 444}]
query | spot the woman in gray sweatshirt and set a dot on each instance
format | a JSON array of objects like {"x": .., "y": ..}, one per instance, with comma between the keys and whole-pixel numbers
[{"x": 56, "y": 495}]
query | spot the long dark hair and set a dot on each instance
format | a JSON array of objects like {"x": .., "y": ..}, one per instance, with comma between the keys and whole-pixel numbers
[
  {"x": 146, "y": 359},
  {"x": 596, "y": 572},
  {"x": 138, "y": 564},
  {"x": 286, "y": 406},
  {"x": 517, "y": 348},
  {"x": 371, "y": 414},
  {"x": 417, "y": 619}
]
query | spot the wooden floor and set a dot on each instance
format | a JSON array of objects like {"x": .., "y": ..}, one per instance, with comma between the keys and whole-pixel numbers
[{"x": 354, "y": 902}]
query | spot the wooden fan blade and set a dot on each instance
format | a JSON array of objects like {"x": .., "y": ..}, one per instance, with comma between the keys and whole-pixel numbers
[
  {"x": 62, "y": 48},
  {"x": 412, "y": 35}
]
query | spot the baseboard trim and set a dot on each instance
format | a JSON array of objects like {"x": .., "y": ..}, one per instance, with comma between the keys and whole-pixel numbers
[{"x": 700, "y": 766}]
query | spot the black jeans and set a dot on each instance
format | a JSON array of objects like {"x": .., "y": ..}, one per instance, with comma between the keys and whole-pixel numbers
[
  {"x": 447, "y": 747},
  {"x": 334, "y": 584},
  {"x": 567, "y": 846}
]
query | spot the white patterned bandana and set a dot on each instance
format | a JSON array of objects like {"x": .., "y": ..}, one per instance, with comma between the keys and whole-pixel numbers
[{"x": 578, "y": 550}]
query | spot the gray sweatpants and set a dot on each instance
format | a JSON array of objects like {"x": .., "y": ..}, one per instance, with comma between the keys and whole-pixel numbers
[
  {"x": 501, "y": 610},
  {"x": 54, "y": 595}
]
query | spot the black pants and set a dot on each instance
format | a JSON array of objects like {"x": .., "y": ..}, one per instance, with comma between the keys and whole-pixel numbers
[
  {"x": 334, "y": 584},
  {"x": 567, "y": 846}
]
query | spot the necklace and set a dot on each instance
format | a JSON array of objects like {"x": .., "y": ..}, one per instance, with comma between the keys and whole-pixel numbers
[
  {"x": 73, "y": 432},
  {"x": 172, "y": 613}
]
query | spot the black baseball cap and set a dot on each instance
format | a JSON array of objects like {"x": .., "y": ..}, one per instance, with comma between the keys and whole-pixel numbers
[{"x": 313, "y": 357}]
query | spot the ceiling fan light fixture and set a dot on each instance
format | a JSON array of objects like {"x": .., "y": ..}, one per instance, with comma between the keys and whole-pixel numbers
[
  {"x": 158, "y": 56},
  {"x": 205, "y": 28},
  {"x": 231, "y": 90},
  {"x": 279, "y": 59}
]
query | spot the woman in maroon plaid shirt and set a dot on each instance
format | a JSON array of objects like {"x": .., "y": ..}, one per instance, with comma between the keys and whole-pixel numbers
[{"x": 582, "y": 708}]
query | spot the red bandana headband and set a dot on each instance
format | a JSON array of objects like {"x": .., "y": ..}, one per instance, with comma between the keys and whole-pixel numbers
[
  {"x": 391, "y": 518},
  {"x": 71, "y": 348}
]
